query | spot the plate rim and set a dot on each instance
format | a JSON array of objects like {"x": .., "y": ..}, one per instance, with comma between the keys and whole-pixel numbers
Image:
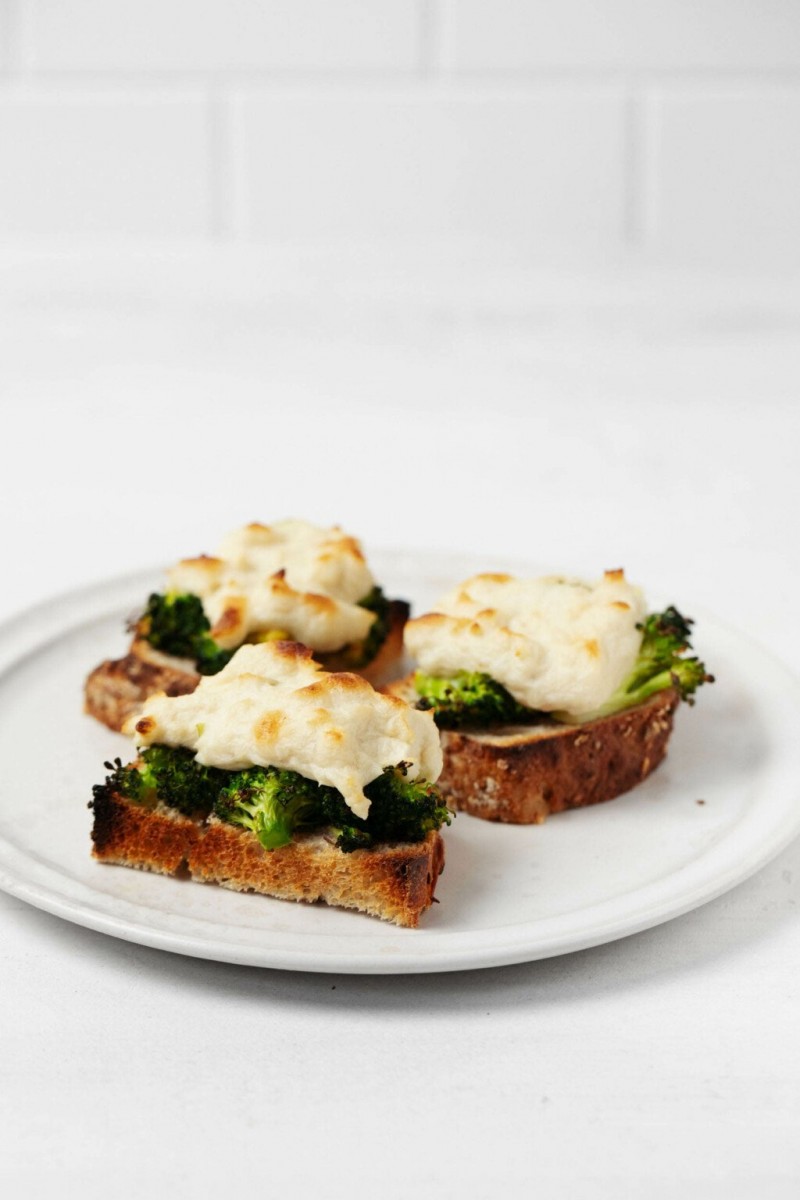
[{"x": 24, "y": 634}]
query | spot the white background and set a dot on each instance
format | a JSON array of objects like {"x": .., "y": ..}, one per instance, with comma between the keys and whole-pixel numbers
[
  {"x": 513, "y": 279},
  {"x": 664, "y": 131}
]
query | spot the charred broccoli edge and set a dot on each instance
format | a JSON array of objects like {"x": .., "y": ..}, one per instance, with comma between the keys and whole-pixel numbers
[{"x": 275, "y": 804}]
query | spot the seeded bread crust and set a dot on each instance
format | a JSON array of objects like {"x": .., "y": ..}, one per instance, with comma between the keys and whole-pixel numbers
[
  {"x": 521, "y": 773},
  {"x": 394, "y": 882},
  {"x": 117, "y": 688}
]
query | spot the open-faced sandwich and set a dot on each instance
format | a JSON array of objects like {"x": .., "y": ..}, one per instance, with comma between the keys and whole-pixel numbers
[
  {"x": 290, "y": 580},
  {"x": 277, "y": 777},
  {"x": 549, "y": 693}
]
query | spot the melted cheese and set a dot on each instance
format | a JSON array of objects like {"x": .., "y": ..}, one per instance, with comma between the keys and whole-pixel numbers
[
  {"x": 272, "y": 705},
  {"x": 291, "y": 576},
  {"x": 557, "y": 645}
]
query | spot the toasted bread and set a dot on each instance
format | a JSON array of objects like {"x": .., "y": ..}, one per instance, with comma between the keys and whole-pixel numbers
[
  {"x": 521, "y": 773},
  {"x": 394, "y": 882},
  {"x": 117, "y": 688}
]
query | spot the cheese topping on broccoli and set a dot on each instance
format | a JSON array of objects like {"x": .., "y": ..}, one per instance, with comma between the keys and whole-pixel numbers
[
  {"x": 555, "y": 644},
  {"x": 272, "y": 705},
  {"x": 291, "y": 576}
]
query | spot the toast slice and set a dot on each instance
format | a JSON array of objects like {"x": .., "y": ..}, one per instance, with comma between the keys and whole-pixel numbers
[
  {"x": 269, "y": 778},
  {"x": 393, "y": 882},
  {"x": 521, "y": 773},
  {"x": 117, "y": 688}
]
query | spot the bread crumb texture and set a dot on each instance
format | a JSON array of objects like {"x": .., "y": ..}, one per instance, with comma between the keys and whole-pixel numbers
[
  {"x": 394, "y": 882},
  {"x": 521, "y": 775}
]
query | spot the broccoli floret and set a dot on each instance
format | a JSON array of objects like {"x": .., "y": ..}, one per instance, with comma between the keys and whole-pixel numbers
[
  {"x": 174, "y": 775},
  {"x": 661, "y": 663},
  {"x": 665, "y": 637},
  {"x": 402, "y": 809},
  {"x": 124, "y": 781},
  {"x": 273, "y": 803},
  {"x": 276, "y": 804},
  {"x": 210, "y": 658},
  {"x": 172, "y": 623},
  {"x": 469, "y": 700},
  {"x": 348, "y": 831},
  {"x": 177, "y": 624},
  {"x": 166, "y": 773},
  {"x": 377, "y": 603}
]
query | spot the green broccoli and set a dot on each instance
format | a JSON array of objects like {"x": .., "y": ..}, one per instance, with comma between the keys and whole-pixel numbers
[
  {"x": 124, "y": 781},
  {"x": 661, "y": 663},
  {"x": 170, "y": 774},
  {"x": 377, "y": 603},
  {"x": 176, "y": 777},
  {"x": 402, "y": 809},
  {"x": 177, "y": 624},
  {"x": 271, "y": 802},
  {"x": 469, "y": 700},
  {"x": 275, "y": 804}
]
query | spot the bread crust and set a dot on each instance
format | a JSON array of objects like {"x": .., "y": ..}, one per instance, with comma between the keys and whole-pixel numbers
[
  {"x": 520, "y": 774},
  {"x": 394, "y": 882},
  {"x": 117, "y": 688}
]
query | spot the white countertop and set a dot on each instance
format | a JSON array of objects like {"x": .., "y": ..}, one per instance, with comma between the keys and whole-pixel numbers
[{"x": 455, "y": 400}]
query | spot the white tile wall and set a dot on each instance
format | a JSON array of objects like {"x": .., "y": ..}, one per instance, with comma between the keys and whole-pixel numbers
[
  {"x": 660, "y": 130},
  {"x": 98, "y": 164},
  {"x": 216, "y": 35},
  {"x": 531, "y": 168},
  {"x": 5, "y": 34},
  {"x": 727, "y": 174},
  {"x": 638, "y": 35}
]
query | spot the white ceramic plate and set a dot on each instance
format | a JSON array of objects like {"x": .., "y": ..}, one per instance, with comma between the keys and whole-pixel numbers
[{"x": 509, "y": 893}]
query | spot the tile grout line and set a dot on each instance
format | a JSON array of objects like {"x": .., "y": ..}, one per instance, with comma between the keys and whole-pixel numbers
[
  {"x": 217, "y": 163},
  {"x": 234, "y": 191},
  {"x": 436, "y": 28},
  {"x": 434, "y": 69},
  {"x": 18, "y": 56},
  {"x": 648, "y": 168},
  {"x": 632, "y": 171}
]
